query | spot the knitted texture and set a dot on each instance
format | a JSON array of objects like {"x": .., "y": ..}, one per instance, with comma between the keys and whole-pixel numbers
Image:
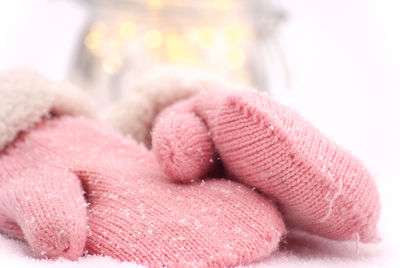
[
  {"x": 49, "y": 164},
  {"x": 41, "y": 201},
  {"x": 185, "y": 141},
  {"x": 25, "y": 97},
  {"x": 319, "y": 186},
  {"x": 146, "y": 96},
  {"x": 135, "y": 212}
]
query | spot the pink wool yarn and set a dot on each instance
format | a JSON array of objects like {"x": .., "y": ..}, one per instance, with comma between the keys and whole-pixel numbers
[
  {"x": 319, "y": 186},
  {"x": 41, "y": 200},
  {"x": 135, "y": 213}
]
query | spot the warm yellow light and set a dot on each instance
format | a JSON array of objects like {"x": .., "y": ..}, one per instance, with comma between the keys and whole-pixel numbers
[
  {"x": 112, "y": 63},
  {"x": 179, "y": 51},
  {"x": 206, "y": 37},
  {"x": 234, "y": 34},
  {"x": 99, "y": 27},
  {"x": 128, "y": 30},
  {"x": 223, "y": 5},
  {"x": 175, "y": 46},
  {"x": 235, "y": 58},
  {"x": 93, "y": 40},
  {"x": 155, "y": 4},
  {"x": 153, "y": 39}
]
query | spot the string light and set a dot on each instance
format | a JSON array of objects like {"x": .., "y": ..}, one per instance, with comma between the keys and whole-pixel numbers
[
  {"x": 234, "y": 34},
  {"x": 205, "y": 37},
  {"x": 222, "y": 5},
  {"x": 128, "y": 30},
  {"x": 207, "y": 45},
  {"x": 153, "y": 38},
  {"x": 155, "y": 4},
  {"x": 93, "y": 40},
  {"x": 179, "y": 51},
  {"x": 175, "y": 46},
  {"x": 214, "y": 35},
  {"x": 95, "y": 37},
  {"x": 235, "y": 58},
  {"x": 112, "y": 63}
]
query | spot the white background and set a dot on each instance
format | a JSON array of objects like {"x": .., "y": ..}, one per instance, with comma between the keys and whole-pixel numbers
[{"x": 344, "y": 58}]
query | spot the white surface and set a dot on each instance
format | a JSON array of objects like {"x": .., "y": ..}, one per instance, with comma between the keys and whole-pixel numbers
[
  {"x": 40, "y": 35},
  {"x": 344, "y": 60}
]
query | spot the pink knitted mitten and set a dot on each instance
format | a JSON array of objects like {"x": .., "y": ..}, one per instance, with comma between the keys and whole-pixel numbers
[
  {"x": 319, "y": 186},
  {"x": 137, "y": 214},
  {"x": 41, "y": 199},
  {"x": 50, "y": 160}
]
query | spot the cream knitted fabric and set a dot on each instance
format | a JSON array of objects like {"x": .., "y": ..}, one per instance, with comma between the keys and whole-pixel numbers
[{"x": 26, "y": 97}]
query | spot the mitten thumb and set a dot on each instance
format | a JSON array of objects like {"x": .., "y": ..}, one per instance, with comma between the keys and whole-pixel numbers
[
  {"x": 182, "y": 143},
  {"x": 45, "y": 207}
]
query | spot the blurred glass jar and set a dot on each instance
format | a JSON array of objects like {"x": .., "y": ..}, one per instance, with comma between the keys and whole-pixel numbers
[{"x": 126, "y": 38}]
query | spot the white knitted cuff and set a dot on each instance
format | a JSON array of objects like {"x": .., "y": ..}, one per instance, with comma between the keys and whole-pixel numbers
[
  {"x": 25, "y": 97},
  {"x": 146, "y": 97}
]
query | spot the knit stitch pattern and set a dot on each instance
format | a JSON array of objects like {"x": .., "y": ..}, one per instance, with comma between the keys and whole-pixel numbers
[
  {"x": 41, "y": 201},
  {"x": 319, "y": 186},
  {"x": 145, "y": 96},
  {"x": 135, "y": 213},
  {"x": 182, "y": 136}
]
